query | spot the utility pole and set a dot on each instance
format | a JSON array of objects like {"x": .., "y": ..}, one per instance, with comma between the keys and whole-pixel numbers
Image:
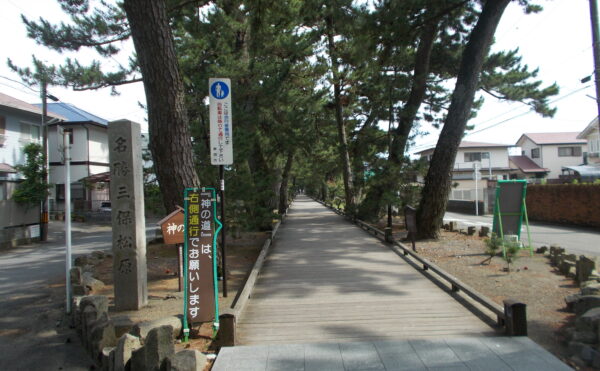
[
  {"x": 44, "y": 211},
  {"x": 596, "y": 41}
]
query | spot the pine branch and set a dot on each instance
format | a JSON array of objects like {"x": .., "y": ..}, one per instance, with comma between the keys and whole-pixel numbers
[{"x": 106, "y": 84}]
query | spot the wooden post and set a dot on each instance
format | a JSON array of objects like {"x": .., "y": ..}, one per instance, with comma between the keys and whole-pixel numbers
[
  {"x": 515, "y": 314},
  {"x": 226, "y": 335},
  {"x": 410, "y": 222},
  {"x": 388, "y": 235}
]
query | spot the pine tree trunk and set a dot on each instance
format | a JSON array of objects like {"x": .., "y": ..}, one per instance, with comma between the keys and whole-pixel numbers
[
  {"x": 170, "y": 142},
  {"x": 285, "y": 178},
  {"x": 339, "y": 118},
  {"x": 408, "y": 113},
  {"x": 438, "y": 181},
  {"x": 373, "y": 204}
]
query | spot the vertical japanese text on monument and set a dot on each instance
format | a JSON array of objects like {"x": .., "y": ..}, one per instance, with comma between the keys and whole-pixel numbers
[
  {"x": 200, "y": 255},
  {"x": 120, "y": 170}
]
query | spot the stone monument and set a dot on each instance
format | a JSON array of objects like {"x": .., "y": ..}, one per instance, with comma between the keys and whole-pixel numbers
[{"x": 128, "y": 221}]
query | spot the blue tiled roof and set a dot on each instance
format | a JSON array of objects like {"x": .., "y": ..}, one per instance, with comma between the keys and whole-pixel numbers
[{"x": 73, "y": 113}]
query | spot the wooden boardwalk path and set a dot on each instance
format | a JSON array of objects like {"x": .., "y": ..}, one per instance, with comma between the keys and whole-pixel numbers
[{"x": 327, "y": 280}]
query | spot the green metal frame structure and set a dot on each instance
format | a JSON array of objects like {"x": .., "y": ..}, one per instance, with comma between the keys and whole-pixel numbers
[
  {"x": 522, "y": 215},
  {"x": 186, "y": 329}
]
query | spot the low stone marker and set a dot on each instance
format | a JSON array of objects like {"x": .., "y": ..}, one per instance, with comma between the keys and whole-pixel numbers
[
  {"x": 586, "y": 267},
  {"x": 125, "y": 347},
  {"x": 158, "y": 347}
]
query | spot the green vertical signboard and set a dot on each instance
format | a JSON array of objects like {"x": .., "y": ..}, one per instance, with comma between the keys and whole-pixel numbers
[
  {"x": 510, "y": 210},
  {"x": 201, "y": 228}
]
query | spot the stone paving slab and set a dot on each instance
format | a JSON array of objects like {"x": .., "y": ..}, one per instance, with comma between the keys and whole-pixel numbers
[{"x": 473, "y": 353}]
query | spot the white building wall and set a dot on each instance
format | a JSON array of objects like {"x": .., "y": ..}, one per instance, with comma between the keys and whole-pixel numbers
[
  {"x": 98, "y": 152},
  {"x": 526, "y": 148},
  {"x": 498, "y": 158},
  {"x": 554, "y": 163},
  {"x": 57, "y": 173},
  {"x": 98, "y": 142},
  {"x": 78, "y": 148},
  {"x": 11, "y": 151}
]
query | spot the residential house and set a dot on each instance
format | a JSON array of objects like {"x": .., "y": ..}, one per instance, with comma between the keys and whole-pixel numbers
[
  {"x": 553, "y": 151},
  {"x": 89, "y": 156},
  {"x": 20, "y": 124},
  {"x": 525, "y": 168},
  {"x": 591, "y": 136},
  {"x": 491, "y": 160}
]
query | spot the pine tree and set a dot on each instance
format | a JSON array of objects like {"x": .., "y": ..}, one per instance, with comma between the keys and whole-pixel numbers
[
  {"x": 438, "y": 180},
  {"x": 102, "y": 29}
]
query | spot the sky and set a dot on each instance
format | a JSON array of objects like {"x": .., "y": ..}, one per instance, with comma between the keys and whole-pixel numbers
[
  {"x": 20, "y": 49},
  {"x": 557, "y": 41}
]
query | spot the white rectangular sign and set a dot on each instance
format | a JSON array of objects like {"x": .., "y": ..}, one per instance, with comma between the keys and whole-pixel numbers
[
  {"x": 221, "y": 134},
  {"x": 34, "y": 231}
]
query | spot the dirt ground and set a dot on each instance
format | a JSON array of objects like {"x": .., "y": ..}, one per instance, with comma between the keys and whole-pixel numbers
[
  {"x": 165, "y": 300},
  {"x": 531, "y": 280}
]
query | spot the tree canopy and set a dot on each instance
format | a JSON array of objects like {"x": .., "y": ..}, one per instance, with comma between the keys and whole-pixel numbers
[{"x": 328, "y": 95}]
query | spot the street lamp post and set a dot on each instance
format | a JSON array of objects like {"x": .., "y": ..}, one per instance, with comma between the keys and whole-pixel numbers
[{"x": 46, "y": 168}]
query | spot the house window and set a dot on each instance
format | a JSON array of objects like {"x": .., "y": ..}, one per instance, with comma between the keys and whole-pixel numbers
[
  {"x": 535, "y": 153},
  {"x": 29, "y": 133},
  {"x": 476, "y": 156},
  {"x": 594, "y": 145},
  {"x": 569, "y": 151},
  {"x": 77, "y": 191}
]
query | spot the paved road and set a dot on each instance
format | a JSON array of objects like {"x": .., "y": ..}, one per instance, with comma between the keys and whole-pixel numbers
[
  {"x": 575, "y": 239},
  {"x": 34, "y": 334}
]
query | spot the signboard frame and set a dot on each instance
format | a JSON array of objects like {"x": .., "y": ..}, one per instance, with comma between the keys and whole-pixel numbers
[
  {"x": 510, "y": 210},
  {"x": 215, "y": 233}
]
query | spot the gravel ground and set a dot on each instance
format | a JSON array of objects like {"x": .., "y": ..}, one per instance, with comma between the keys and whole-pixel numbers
[{"x": 531, "y": 280}]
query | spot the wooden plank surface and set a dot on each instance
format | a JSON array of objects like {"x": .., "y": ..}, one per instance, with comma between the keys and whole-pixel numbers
[{"x": 326, "y": 280}]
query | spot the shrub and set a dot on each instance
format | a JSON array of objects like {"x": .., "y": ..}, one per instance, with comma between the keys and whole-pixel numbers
[
  {"x": 492, "y": 246},
  {"x": 511, "y": 252}
]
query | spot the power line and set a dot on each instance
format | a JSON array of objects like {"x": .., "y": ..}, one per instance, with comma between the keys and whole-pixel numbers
[
  {"x": 21, "y": 83},
  {"x": 527, "y": 112},
  {"x": 19, "y": 89},
  {"x": 431, "y": 143}
]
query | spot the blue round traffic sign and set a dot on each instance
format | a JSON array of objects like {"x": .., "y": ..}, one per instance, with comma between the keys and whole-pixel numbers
[{"x": 219, "y": 90}]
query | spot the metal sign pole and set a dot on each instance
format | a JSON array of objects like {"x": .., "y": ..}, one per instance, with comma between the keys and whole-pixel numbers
[
  {"x": 67, "y": 155},
  {"x": 476, "y": 193},
  {"x": 221, "y": 144},
  {"x": 223, "y": 249}
]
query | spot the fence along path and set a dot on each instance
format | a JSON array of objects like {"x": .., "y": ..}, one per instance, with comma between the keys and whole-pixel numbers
[{"x": 328, "y": 281}]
